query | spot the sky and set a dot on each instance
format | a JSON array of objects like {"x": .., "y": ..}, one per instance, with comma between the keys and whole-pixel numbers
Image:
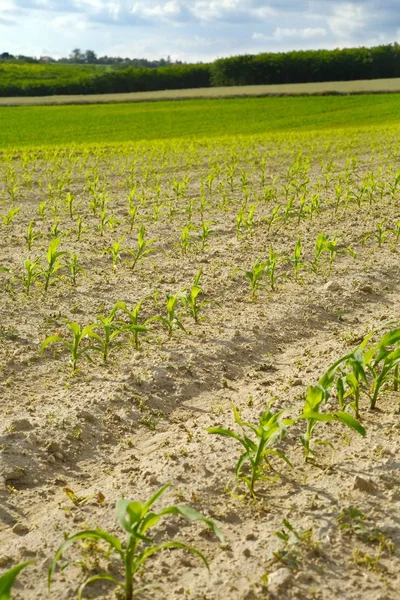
[{"x": 193, "y": 30}]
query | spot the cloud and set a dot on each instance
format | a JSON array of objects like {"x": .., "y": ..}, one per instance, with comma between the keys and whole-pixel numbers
[
  {"x": 195, "y": 29},
  {"x": 281, "y": 33},
  {"x": 347, "y": 19}
]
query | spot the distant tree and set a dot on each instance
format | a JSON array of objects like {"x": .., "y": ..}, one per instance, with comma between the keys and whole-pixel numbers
[
  {"x": 77, "y": 56},
  {"x": 90, "y": 57},
  {"x": 6, "y": 56}
]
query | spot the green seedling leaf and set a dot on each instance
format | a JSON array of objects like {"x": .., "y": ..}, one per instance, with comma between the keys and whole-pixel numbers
[{"x": 8, "y": 578}]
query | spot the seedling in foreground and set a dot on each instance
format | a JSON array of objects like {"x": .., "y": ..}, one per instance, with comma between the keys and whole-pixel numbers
[
  {"x": 133, "y": 327},
  {"x": 74, "y": 267},
  {"x": 171, "y": 321},
  {"x": 316, "y": 397},
  {"x": 9, "y": 217},
  {"x": 8, "y": 578},
  {"x": 144, "y": 247},
  {"x": 54, "y": 263},
  {"x": 110, "y": 329},
  {"x": 30, "y": 271},
  {"x": 270, "y": 429},
  {"x": 31, "y": 236},
  {"x": 135, "y": 519},
  {"x": 190, "y": 298},
  {"x": 255, "y": 276},
  {"x": 73, "y": 346}
]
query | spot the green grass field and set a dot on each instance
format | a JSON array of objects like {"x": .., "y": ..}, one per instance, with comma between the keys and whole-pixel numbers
[{"x": 85, "y": 124}]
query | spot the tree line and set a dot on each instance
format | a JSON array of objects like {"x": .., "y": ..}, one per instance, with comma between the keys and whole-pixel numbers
[{"x": 260, "y": 69}]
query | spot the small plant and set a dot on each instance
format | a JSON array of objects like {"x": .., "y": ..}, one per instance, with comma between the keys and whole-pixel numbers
[
  {"x": 69, "y": 202},
  {"x": 316, "y": 397},
  {"x": 255, "y": 276},
  {"x": 133, "y": 327},
  {"x": 190, "y": 298},
  {"x": 205, "y": 233},
  {"x": 106, "y": 220},
  {"x": 54, "y": 263},
  {"x": 115, "y": 251},
  {"x": 8, "y": 578},
  {"x": 186, "y": 239},
  {"x": 9, "y": 217},
  {"x": 110, "y": 329},
  {"x": 80, "y": 228},
  {"x": 135, "y": 519},
  {"x": 31, "y": 235},
  {"x": 144, "y": 247},
  {"x": 354, "y": 522},
  {"x": 171, "y": 321},
  {"x": 30, "y": 271},
  {"x": 382, "y": 361},
  {"x": 74, "y": 346},
  {"x": 270, "y": 267},
  {"x": 294, "y": 543},
  {"x": 296, "y": 259},
  {"x": 275, "y": 217},
  {"x": 42, "y": 209},
  {"x": 257, "y": 451},
  {"x": 75, "y": 268}
]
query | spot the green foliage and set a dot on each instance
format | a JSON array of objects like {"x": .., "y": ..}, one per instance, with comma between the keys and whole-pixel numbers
[
  {"x": 9, "y": 217},
  {"x": 143, "y": 248},
  {"x": 136, "y": 519},
  {"x": 74, "y": 346},
  {"x": 8, "y": 578},
  {"x": 172, "y": 320},
  {"x": 190, "y": 298},
  {"x": 257, "y": 451},
  {"x": 54, "y": 263},
  {"x": 133, "y": 326},
  {"x": 302, "y": 66}
]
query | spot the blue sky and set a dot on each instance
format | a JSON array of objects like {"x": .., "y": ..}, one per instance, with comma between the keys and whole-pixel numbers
[{"x": 193, "y": 30}]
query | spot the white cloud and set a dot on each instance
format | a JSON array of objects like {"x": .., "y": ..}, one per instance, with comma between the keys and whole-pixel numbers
[
  {"x": 347, "y": 19},
  {"x": 202, "y": 29},
  {"x": 281, "y": 33}
]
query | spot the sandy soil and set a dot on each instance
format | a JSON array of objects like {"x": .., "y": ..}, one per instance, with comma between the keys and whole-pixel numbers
[{"x": 129, "y": 426}]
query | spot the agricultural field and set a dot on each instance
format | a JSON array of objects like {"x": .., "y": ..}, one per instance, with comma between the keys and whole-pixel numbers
[
  {"x": 32, "y": 126},
  {"x": 360, "y": 86},
  {"x": 199, "y": 350}
]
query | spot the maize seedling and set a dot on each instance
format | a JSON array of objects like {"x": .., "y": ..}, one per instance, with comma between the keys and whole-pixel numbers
[
  {"x": 115, "y": 251},
  {"x": 9, "y": 217},
  {"x": 133, "y": 327},
  {"x": 171, "y": 321},
  {"x": 110, "y": 329},
  {"x": 382, "y": 361},
  {"x": 31, "y": 236},
  {"x": 31, "y": 270},
  {"x": 74, "y": 346},
  {"x": 270, "y": 429},
  {"x": 75, "y": 268},
  {"x": 54, "y": 263},
  {"x": 317, "y": 396},
  {"x": 144, "y": 247},
  {"x": 190, "y": 298},
  {"x": 135, "y": 518},
  {"x": 8, "y": 578}
]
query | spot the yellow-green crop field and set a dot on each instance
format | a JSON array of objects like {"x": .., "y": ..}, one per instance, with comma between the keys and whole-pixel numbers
[
  {"x": 33, "y": 126},
  {"x": 200, "y": 349}
]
